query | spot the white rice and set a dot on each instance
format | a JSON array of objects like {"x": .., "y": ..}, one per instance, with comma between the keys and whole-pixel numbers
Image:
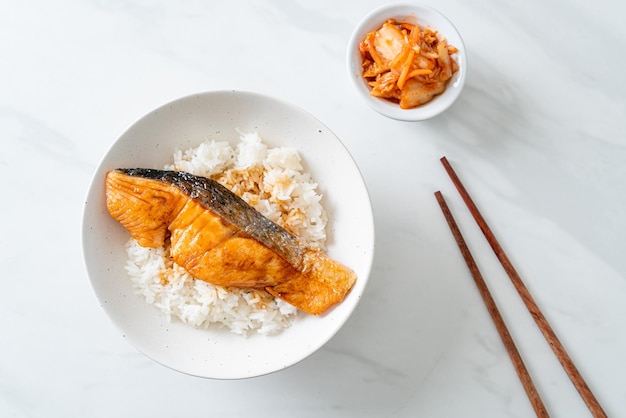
[{"x": 273, "y": 181}]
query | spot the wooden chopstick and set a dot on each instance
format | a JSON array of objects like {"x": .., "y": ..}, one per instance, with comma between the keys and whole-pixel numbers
[
  {"x": 541, "y": 321},
  {"x": 505, "y": 335}
]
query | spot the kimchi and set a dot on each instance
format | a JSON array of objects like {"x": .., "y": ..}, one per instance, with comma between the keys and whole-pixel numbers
[{"x": 407, "y": 64}]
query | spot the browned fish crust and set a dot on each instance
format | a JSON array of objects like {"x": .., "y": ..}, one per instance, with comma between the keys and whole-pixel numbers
[{"x": 230, "y": 207}]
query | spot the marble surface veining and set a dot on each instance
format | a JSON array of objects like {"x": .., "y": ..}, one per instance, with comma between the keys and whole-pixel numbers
[{"x": 538, "y": 135}]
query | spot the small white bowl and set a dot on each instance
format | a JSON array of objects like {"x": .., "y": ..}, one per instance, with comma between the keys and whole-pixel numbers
[{"x": 425, "y": 16}]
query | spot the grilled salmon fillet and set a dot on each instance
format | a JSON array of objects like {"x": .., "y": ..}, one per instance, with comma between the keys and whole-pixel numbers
[{"x": 217, "y": 237}]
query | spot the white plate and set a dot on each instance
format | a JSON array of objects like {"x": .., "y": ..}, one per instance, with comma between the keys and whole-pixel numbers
[{"x": 185, "y": 123}]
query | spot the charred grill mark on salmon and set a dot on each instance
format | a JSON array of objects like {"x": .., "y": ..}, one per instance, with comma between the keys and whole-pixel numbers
[{"x": 219, "y": 238}]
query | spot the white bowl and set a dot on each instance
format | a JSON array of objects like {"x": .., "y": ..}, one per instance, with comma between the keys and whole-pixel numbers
[
  {"x": 425, "y": 16},
  {"x": 185, "y": 123}
]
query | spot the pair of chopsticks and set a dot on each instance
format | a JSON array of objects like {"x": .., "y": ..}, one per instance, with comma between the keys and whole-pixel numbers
[{"x": 541, "y": 321}]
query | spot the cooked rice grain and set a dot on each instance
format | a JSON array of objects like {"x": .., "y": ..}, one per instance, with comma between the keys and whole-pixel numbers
[{"x": 274, "y": 182}]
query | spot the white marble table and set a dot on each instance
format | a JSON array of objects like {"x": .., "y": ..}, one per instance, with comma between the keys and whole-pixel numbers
[{"x": 539, "y": 137}]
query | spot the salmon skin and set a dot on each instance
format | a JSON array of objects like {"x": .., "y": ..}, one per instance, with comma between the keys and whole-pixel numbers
[{"x": 219, "y": 238}]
